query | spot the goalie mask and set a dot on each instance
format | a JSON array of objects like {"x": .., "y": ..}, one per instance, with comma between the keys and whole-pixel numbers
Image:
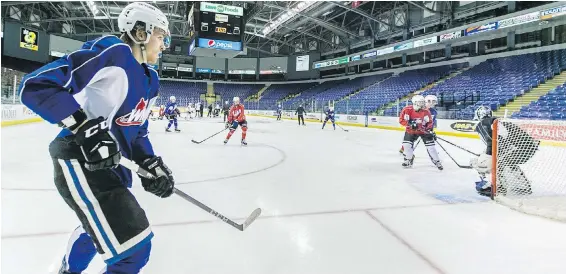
[{"x": 483, "y": 112}]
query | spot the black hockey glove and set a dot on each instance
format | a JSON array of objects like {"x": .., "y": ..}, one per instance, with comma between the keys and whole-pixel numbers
[
  {"x": 163, "y": 183},
  {"x": 100, "y": 148},
  {"x": 413, "y": 124}
]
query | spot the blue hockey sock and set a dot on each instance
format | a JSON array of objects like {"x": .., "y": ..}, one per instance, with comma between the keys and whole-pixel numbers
[
  {"x": 131, "y": 264},
  {"x": 175, "y": 122},
  {"x": 323, "y": 124},
  {"x": 169, "y": 125},
  {"x": 80, "y": 251}
]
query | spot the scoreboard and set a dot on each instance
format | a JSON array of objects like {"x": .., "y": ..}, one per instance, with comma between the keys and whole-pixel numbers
[{"x": 218, "y": 28}]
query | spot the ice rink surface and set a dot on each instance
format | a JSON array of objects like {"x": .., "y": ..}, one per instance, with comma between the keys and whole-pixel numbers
[{"x": 333, "y": 202}]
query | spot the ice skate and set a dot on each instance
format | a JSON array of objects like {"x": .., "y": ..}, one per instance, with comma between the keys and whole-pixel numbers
[
  {"x": 167, "y": 130},
  {"x": 438, "y": 164},
  {"x": 177, "y": 130},
  {"x": 407, "y": 163},
  {"x": 226, "y": 141},
  {"x": 244, "y": 143}
]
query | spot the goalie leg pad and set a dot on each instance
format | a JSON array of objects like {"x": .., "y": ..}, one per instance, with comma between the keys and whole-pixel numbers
[{"x": 482, "y": 163}]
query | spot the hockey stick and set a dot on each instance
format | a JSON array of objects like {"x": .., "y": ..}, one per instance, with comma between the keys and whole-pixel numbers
[
  {"x": 342, "y": 128},
  {"x": 460, "y": 166},
  {"x": 457, "y": 146},
  {"x": 198, "y": 142},
  {"x": 129, "y": 164}
]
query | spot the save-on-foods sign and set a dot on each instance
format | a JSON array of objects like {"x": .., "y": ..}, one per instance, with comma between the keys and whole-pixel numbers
[
  {"x": 518, "y": 20},
  {"x": 554, "y": 12},
  {"x": 219, "y": 8}
]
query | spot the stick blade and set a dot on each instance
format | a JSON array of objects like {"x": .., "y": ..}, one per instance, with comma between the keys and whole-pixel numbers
[
  {"x": 196, "y": 142},
  {"x": 251, "y": 219}
]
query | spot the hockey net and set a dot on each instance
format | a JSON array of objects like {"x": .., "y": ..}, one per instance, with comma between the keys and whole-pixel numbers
[{"x": 529, "y": 166}]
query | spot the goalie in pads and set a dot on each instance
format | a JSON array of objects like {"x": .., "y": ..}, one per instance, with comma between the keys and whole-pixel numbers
[{"x": 515, "y": 147}]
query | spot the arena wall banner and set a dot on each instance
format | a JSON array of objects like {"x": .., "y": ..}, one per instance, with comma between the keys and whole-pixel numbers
[
  {"x": 426, "y": 42},
  {"x": 479, "y": 29},
  {"x": 403, "y": 46},
  {"x": 554, "y": 12},
  {"x": 450, "y": 36},
  {"x": 519, "y": 20}
]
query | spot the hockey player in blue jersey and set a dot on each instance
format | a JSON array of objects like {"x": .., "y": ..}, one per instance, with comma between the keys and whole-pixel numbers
[
  {"x": 171, "y": 111},
  {"x": 101, "y": 95},
  {"x": 279, "y": 112},
  {"x": 430, "y": 103},
  {"x": 329, "y": 116}
]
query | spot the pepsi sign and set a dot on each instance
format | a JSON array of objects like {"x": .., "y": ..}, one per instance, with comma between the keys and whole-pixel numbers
[{"x": 219, "y": 44}]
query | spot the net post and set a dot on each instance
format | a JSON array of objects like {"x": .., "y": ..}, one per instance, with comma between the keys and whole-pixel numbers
[{"x": 494, "y": 159}]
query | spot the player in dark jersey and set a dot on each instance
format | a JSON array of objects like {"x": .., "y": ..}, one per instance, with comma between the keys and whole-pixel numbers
[
  {"x": 329, "y": 116},
  {"x": 279, "y": 112},
  {"x": 101, "y": 95},
  {"x": 515, "y": 147}
]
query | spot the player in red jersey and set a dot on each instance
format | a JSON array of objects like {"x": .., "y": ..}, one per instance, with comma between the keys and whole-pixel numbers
[
  {"x": 419, "y": 124},
  {"x": 161, "y": 112},
  {"x": 236, "y": 116}
]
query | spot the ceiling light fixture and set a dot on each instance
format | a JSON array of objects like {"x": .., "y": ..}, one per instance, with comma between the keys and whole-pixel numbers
[
  {"x": 93, "y": 8},
  {"x": 286, "y": 16}
]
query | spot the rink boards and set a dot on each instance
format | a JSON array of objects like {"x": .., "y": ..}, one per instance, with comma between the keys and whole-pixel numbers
[{"x": 445, "y": 127}]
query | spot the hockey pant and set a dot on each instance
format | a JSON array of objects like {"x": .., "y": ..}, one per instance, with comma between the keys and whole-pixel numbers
[
  {"x": 112, "y": 221},
  {"x": 326, "y": 120},
  {"x": 301, "y": 118},
  {"x": 172, "y": 120},
  {"x": 243, "y": 125},
  {"x": 428, "y": 140}
]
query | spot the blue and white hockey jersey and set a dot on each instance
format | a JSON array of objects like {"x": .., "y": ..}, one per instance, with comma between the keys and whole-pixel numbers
[
  {"x": 171, "y": 108},
  {"x": 104, "y": 79},
  {"x": 433, "y": 113},
  {"x": 329, "y": 114}
]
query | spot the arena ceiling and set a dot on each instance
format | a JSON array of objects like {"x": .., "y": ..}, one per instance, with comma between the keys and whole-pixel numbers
[{"x": 322, "y": 26}]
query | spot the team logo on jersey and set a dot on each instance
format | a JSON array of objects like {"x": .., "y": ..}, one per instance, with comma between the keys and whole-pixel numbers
[{"x": 137, "y": 116}]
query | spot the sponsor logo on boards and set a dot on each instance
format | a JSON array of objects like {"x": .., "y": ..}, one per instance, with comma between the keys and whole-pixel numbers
[{"x": 463, "y": 126}]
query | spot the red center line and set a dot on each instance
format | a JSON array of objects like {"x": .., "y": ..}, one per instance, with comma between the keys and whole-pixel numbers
[{"x": 405, "y": 243}]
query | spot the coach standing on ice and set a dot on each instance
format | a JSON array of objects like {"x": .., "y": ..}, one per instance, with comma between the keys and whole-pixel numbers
[
  {"x": 300, "y": 112},
  {"x": 101, "y": 96}
]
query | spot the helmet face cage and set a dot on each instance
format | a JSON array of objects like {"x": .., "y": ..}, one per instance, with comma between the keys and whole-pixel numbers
[
  {"x": 482, "y": 112},
  {"x": 418, "y": 101},
  {"x": 430, "y": 101}
]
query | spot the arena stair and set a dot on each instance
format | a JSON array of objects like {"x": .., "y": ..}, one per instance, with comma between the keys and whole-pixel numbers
[
  {"x": 257, "y": 96},
  {"x": 360, "y": 90},
  {"x": 419, "y": 91},
  {"x": 531, "y": 96}
]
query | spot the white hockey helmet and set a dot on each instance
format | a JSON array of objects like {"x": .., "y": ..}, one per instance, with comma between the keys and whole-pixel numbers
[
  {"x": 226, "y": 102},
  {"x": 331, "y": 108},
  {"x": 483, "y": 112},
  {"x": 150, "y": 16},
  {"x": 431, "y": 101},
  {"x": 172, "y": 99},
  {"x": 236, "y": 100},
  {"x": 418, "y": 102}
]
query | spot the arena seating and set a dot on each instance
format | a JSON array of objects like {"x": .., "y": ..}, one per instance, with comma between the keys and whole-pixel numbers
[
  {"x": 184, "y": 92},
  {"x": 393, "y": 88},
  {"x": 551, "y": 106},
  {"x": 277, "y": 92},
  {"x": 228, "y": 91},
  {"x": 307, "y": 96},
  {"x": 498, "y": 81},
  {"x": 341, "y": 90}
]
